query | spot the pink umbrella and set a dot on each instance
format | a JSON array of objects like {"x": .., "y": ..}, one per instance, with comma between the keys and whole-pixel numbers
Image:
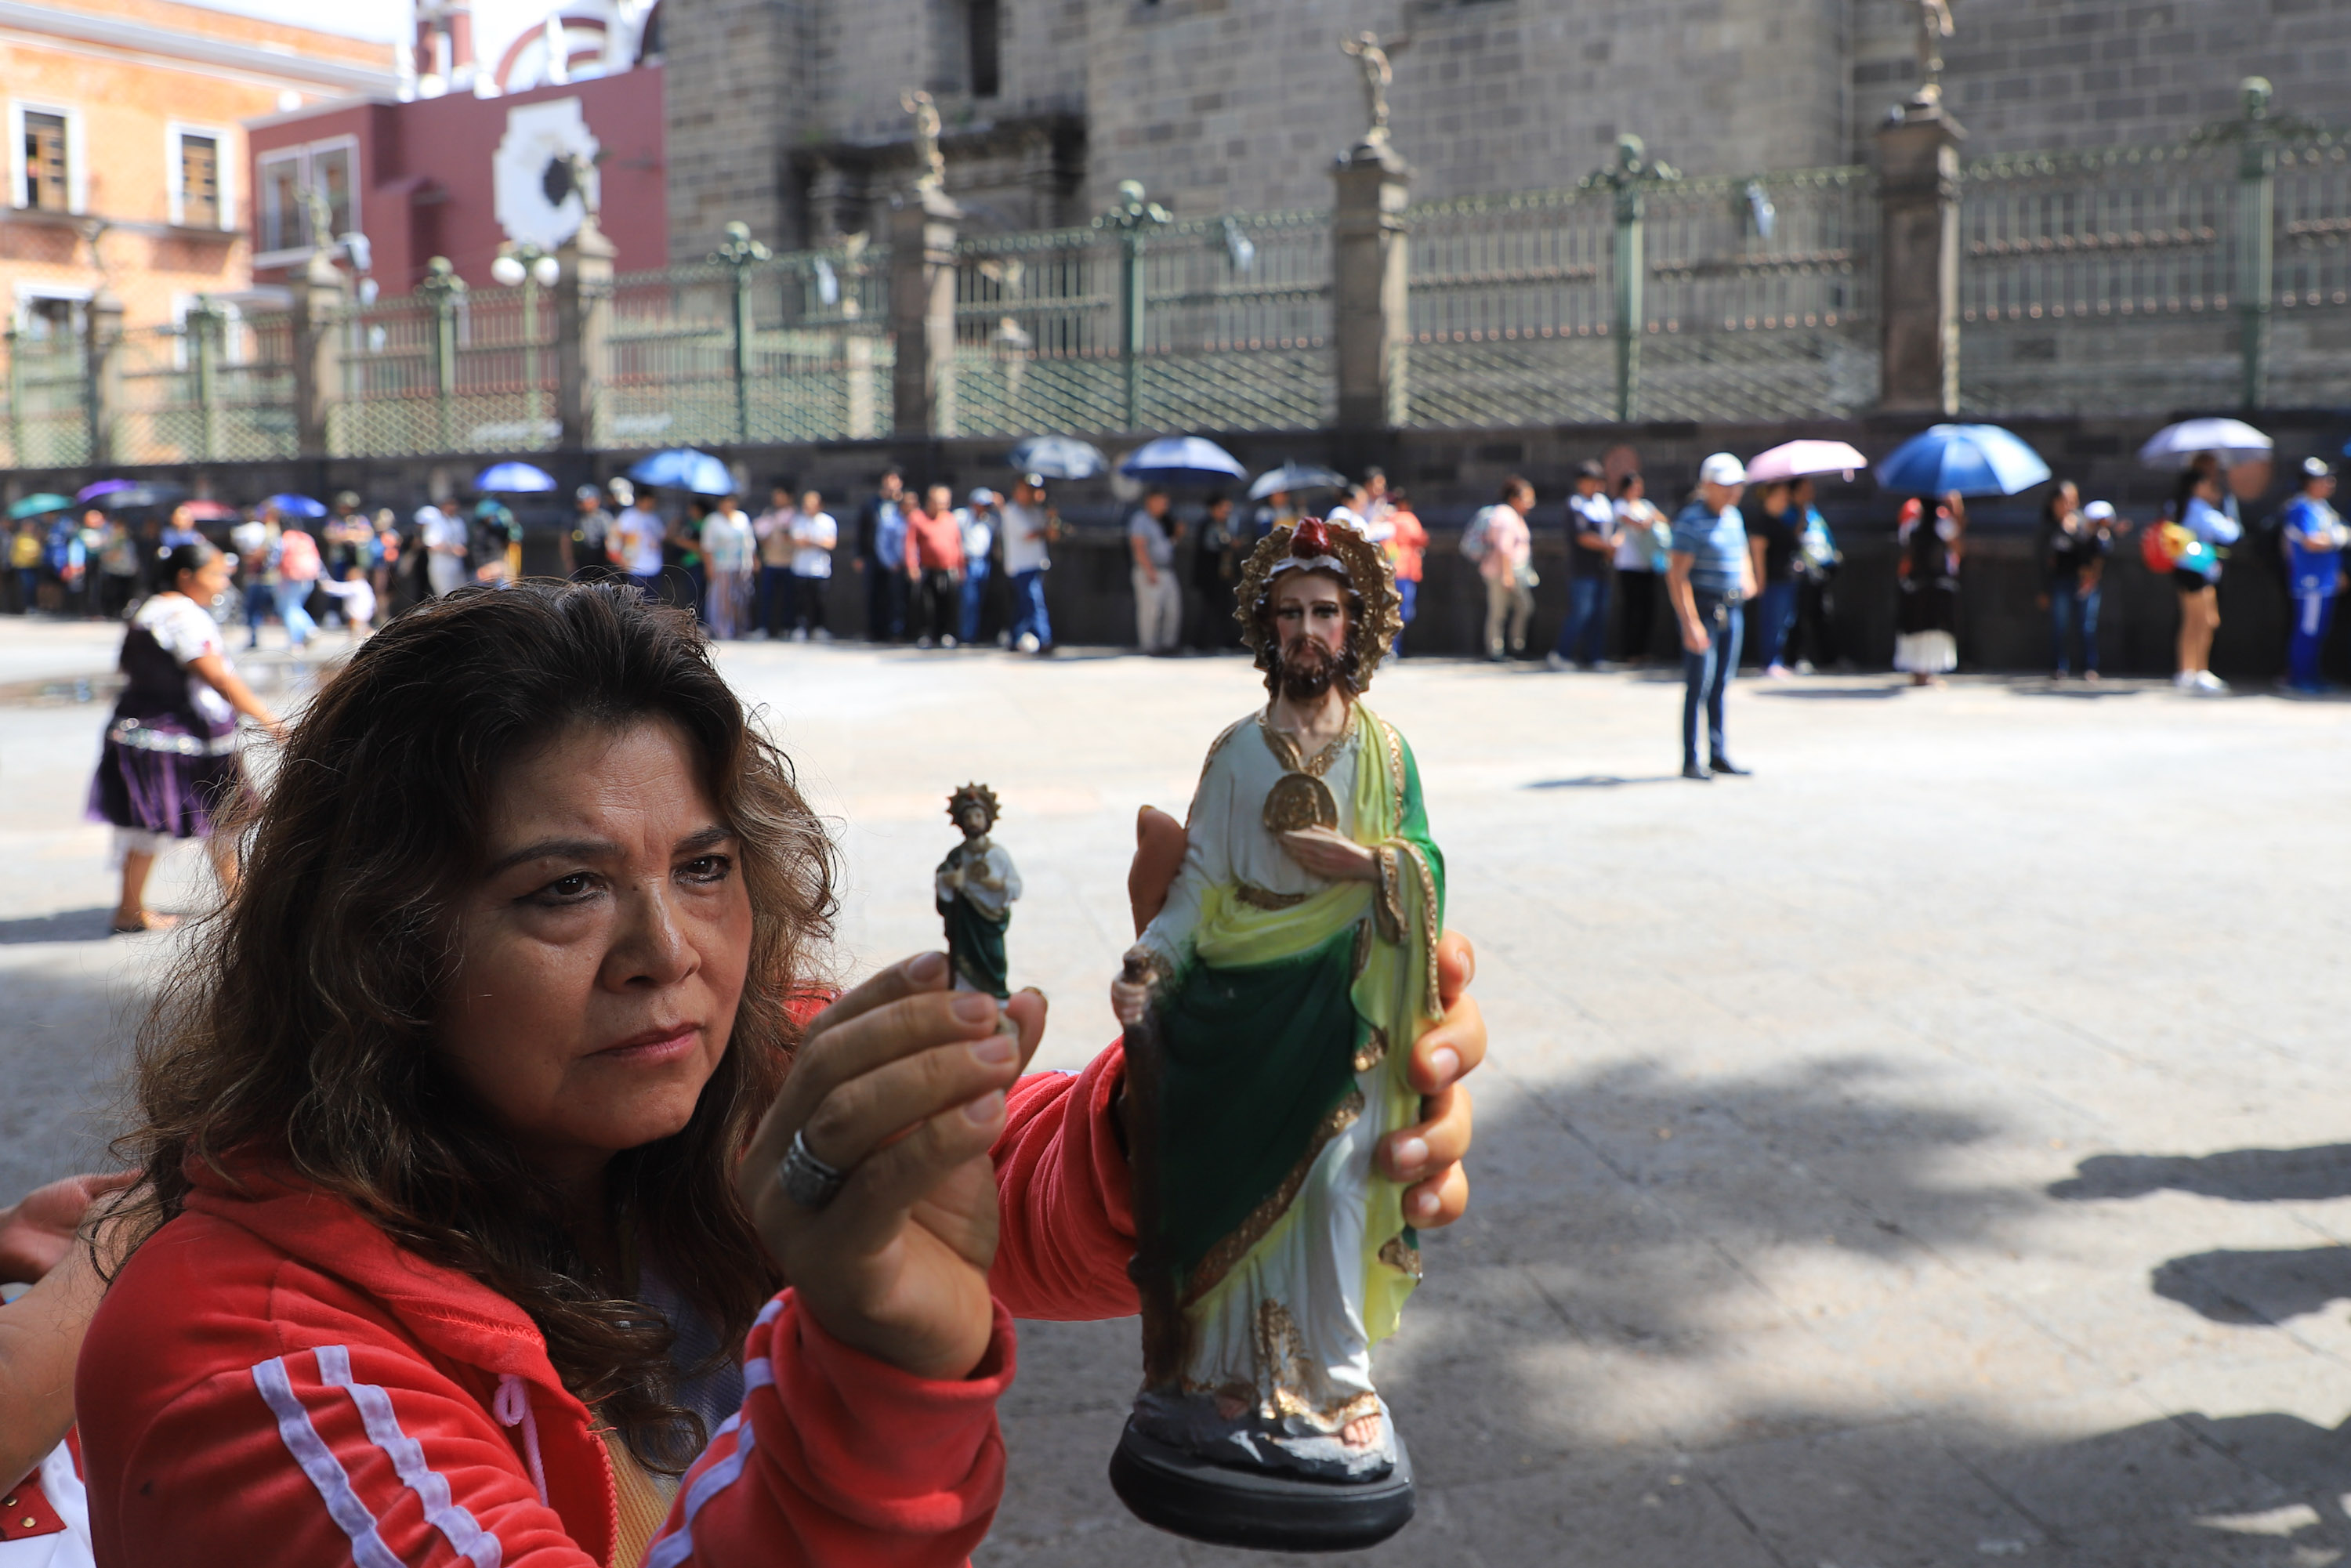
[{"x": 1798, "y": 458}]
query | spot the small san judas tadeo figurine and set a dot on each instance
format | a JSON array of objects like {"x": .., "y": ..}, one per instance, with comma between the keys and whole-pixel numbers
[
  {"x": 976, "y": 888},
  {"x": 1271, "y": 1008}
]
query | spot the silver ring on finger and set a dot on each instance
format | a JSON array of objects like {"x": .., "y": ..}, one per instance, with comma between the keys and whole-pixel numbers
[{"x": 807, "y": 1180}]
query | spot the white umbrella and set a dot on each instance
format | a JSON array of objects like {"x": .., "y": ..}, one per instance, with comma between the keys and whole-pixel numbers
[
  {"x": 2176, "y": 445},
  {"x": 1798, "y": 458}
]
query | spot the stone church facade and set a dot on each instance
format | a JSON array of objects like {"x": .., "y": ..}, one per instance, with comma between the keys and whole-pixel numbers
[{"x": 786, "y": 113}]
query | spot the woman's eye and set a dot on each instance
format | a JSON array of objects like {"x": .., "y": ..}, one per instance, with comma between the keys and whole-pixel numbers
[
  {"x": 568, "y": 889},
  {"x": 706, "y": 868}
]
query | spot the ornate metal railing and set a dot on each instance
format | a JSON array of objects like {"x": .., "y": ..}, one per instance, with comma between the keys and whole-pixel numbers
[
  {"x": 1758, "y": 301},
  {"x": 2213, "y": 273},
  {"x": 1233, "y": 331}
]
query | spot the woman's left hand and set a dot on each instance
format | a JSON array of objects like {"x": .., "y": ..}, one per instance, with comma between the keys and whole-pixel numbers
[{"x": 900, "y": 1085}]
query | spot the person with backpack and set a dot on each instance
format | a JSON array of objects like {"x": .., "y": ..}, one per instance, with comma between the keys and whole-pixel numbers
[
  {"x": 1498, "y": 542},
  {"x": 2196, "y": 572},
  {"x": 2314, "y": 540}
]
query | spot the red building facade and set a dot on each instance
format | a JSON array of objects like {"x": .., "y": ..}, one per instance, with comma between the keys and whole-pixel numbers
[{"x": 460, "y": 177}]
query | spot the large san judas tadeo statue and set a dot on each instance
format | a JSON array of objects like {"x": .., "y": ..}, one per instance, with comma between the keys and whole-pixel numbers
[{"x": 1271, "y": 1008}]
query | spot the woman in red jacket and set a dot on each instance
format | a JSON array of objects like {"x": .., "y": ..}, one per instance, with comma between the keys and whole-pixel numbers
[{"x": 471, "y": 1158}]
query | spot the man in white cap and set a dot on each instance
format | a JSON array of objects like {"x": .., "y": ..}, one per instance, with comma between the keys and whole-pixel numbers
[{"x": 1708, "y": 574}]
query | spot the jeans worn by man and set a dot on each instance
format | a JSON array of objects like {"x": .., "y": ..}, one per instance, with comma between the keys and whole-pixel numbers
[
  {"x": 1030, "y": 618},
  {"x": 1707, "y": 675},
  {"x": 1581, "y": 635},
  {"x": 2070, "y": 605}
]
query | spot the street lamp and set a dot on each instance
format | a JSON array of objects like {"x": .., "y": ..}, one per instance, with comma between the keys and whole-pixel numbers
[{"x": 533, "y": 268}]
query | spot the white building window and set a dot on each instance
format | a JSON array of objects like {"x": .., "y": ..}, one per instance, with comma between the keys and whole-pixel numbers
[
  {"x": 282, "y": 204},
  {"x": 199, "y": 162},
  {"x": 48, "y": 169},
  {"x": 50, "y": 314}
]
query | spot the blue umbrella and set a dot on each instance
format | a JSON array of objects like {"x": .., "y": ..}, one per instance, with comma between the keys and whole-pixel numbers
[
  {"x": 1182, "y": 460},
  {"x": 514, "y": 480},
  {"x": 103, "y": 488},
  {"x": 297, "y": 506},
  {"x": 1973, "y": 459},
  {"x": 682, "y": 468},
  {"x": 1292, "y": 477}
]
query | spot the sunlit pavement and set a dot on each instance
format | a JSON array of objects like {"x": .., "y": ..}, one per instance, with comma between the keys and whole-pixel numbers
[{"x": 1934, "y": 1149}]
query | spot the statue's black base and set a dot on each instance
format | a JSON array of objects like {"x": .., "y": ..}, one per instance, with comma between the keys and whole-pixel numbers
[{"x": 1261, "y": 1510}]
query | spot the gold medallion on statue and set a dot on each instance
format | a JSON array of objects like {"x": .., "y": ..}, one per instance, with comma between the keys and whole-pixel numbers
[{"x": 1300, "y": 800}]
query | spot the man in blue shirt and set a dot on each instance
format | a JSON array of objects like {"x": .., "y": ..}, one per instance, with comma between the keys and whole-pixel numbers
[
  {"x": 882, "y": 559},
  {"x": 1591, "y": 555},
  {"x": 2314, "y": 560},
  {"x": 1708, "y": 574}
]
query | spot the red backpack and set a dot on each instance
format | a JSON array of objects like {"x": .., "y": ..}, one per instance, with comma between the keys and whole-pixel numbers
[{"x": 298, "y": 556}]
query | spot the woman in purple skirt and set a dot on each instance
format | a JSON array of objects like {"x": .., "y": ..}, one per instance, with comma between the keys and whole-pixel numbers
[{"x": 170, "y": 763}]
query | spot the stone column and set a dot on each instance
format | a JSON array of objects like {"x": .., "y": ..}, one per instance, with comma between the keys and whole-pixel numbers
[
  {"x": 921, "y": 312},
  {"x": 318, "y": 304},
  {"x": 1918, "y": 262},
  {"x": 1369, "y": 277},
  {"x": 102, "y": 388},
  {"x": 583, "y": 329}
]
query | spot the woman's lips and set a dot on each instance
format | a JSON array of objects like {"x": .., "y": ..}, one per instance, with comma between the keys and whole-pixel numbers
[{"x": 654, "y": 1047}]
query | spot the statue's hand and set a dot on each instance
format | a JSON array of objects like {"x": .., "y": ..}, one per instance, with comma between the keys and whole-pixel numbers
[
  {"x": 1428, "y": 1154},
  {"x": 1128, "y": 1001},
  {"x": 1329, "y": 853}
]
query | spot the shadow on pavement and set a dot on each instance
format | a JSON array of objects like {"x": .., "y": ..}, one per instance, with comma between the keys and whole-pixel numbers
[
  {"x": 67, "y": 926},
  {"x": 2257, "y": 1287},
  {"x": 1830, "y": 694},
  {"x": 1601, "y": 781},
  {"x": 2247, "y": 1176}
]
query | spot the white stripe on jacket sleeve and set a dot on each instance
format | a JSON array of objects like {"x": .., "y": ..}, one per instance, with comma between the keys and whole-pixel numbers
[
  {"x": 445, "y": 1513},
  {"x": 318, "y": 1462},
  {"x": 669, "y": 1551}
]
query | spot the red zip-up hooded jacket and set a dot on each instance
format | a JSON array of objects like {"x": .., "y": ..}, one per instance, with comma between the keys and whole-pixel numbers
[{"x": 271, "y": 1381}]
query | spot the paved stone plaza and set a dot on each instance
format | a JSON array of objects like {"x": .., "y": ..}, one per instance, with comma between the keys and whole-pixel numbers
[{"x": 1928, "y": 1150}]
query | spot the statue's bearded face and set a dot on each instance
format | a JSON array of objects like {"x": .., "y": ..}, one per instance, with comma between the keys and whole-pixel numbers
[
  {"x": 1310, "y": 652},
  {"x": 973, "y": 821}
]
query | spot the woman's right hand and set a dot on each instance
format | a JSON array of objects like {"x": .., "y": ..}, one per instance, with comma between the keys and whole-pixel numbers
[
  {"x": 900, "y": 1084},
  {"x": 1694, "y": 637}
]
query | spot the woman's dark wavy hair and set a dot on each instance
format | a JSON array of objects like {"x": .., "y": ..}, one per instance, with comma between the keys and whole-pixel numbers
[{"x": 301, "y": 1022}]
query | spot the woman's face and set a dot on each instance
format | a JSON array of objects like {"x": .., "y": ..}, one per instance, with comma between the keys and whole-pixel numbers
[
  {"x": 602, "y": 949},
  {"x": 207, "y": 582}
]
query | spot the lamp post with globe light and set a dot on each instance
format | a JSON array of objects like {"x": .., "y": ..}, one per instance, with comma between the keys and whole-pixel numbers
[{"x": 532, "y": 269}]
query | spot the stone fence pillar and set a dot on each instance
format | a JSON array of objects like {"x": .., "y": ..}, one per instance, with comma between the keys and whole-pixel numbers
[
  {"x": 319, "y": 309},
  {"x": 102, "y": 374},
  {"x": 583, "y": 331},
  {"x": 1369, "y": 282},
  {"x": 921, "y": 312},
  {"x": 1918, "y": 262}
]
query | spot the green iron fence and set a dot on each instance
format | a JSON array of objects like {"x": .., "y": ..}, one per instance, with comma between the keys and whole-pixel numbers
[
  {"x": 769, "y": 349},
  {"x": 49, "y": 401},
  {"x": 470, "y": 372},
  {"x": 1757, "y": 302},
  {"x": 2212, "y": 274},
  {"x": 1233, "y": 332}
]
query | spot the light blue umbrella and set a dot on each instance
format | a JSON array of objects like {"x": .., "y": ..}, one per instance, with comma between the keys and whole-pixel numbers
[
  {"x": 1057, "y": 457},
  {"x": 1182, "y": 460},
  {"x": 1973, "y": 459},
  {"x": 514, "y": 480},
  {"x": 297, "y": 506},
  {"x": 682, "y": 468},
  {"x": 1292, "y": 477}
]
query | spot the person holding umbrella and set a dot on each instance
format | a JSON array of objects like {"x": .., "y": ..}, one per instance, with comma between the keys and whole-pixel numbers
[
  {"x": 1708, "y": 574},
  {"x": 2196, "y": 574},
  {"x": 1151, "y": 537},
  {"x": 1926, "y": 619}
]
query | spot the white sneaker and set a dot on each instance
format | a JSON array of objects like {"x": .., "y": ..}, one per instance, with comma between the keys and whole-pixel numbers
[
  {"x": 824, "y": 635},
  {"x": 947, "y": 643},
  {"x": 756, "y": 634},
  {"x": 921, "y": 642},
  {"x": 2185, "y": 680},
  {"x": 1553, "y": 662},
  {"x": 1028, "y": 643},
  {"x": 2206, "y": 681},
  {"x": 800, "y": 633}
]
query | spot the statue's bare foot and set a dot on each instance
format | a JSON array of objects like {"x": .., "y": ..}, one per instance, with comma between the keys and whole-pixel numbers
[{"x": 1363, "y": 1432}]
